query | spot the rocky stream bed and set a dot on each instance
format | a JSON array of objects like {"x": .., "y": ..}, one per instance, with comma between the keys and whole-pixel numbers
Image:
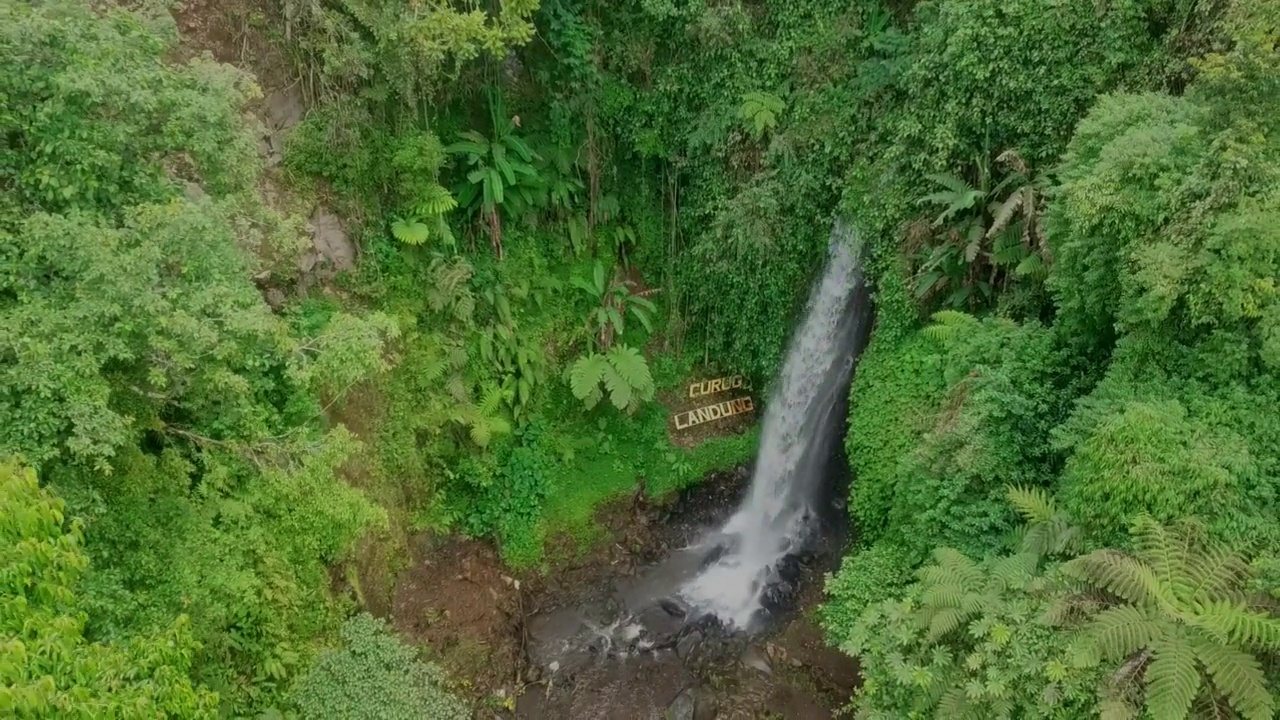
[{"x": 601, "y": 637}]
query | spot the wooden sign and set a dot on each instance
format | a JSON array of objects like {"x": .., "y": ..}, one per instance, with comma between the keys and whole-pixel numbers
[
  {"x": 716, "y": 385},
  {"x": 718, "y": 411}
]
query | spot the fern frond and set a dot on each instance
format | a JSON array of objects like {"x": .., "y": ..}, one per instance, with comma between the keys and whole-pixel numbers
[
  {"x": 1032, "y": 266},
  {"x": 1123, "y": 630},
  {"x": 953, "y": 183},
  {"x": 491, "y": 400},
  {"x": 1218, "y": 573},
  {"x": 954, "y": 704},
  {"x": 1119, "y": 574},
  {"x": 1033, "y": 504},
  {"x": 432, "y": 366},
  {"x": 1237, "y": 675},
  {"x": 1235, "y": 623},
  {"x": 1116, "y": 709},
  {"x": 480, "y": 434},
  {"x": 1166, "y": 552},
  {"x": 1013, "y": 571},
  {"x": 436, "y": 201},
  {"x": 457, "y": 388},
  {"x": 942, "y": 596},
  {"x": 1172, "y": 678},
  {"x": 952, "y": 567},
  {"x": 944, "y": 622},
  {"x": 1003, "y": 213},
  {"x": 457, "y": 356},
  {"x": 947, "y": 325}
]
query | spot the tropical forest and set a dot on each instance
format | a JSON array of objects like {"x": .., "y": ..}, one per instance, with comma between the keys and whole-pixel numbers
[{"x": 639, "y": 359}]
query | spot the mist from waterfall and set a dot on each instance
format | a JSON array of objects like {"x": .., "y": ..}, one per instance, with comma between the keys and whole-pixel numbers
[{"x": 801, "y": 425}]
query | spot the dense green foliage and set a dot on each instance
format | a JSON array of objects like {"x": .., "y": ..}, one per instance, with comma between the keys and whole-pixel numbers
[
  {"x": 1071, "y": 216},
  {"x": 149, "y": 383},
  {"x": 1130, "y": 385},
  {"x": 47, "y": 665}
]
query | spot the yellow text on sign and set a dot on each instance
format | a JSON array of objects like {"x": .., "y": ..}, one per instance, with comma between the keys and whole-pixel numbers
[
  {"x": 711, "y": 387},
  {"x": 718, "y": 411}
]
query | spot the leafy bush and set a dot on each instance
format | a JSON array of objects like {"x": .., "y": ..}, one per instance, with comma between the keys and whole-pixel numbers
[
  {"x": 866, "y": 577},
  {"x": 977, "y": 639},
  {"x": 624, "y": 373},
  {"x": 938, "y": 431},
  {"x": 375, "y": 677},
  {"x": 1149, "y": 457},
  {"x": 48, "y": 668}
]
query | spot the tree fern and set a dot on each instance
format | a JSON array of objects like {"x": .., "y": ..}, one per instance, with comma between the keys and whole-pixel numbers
[
  {"x": 1174, "y": 678},
  {"x": 1184, "y": 604},
  {"x": 1048, "y": 531},
  {"x": 760, "y": 111},
  {"x": 948, "y": 325}
]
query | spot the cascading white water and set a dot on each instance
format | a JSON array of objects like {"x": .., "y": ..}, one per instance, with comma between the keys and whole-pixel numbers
[{"x": 795, "y": 443}]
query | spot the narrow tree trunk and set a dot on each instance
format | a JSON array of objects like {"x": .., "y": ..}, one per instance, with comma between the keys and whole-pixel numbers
[{"x": 495, "y": 233}]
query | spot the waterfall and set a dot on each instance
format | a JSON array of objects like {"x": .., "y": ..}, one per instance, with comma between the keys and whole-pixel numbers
[{"x": 801, "y": 426}]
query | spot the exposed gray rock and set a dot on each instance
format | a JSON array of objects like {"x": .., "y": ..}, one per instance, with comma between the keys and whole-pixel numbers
[
  {"x": 688, "y": 645},
  {"x": 754, "y": 657},
  {"x": 329, "y": 242},
  {"x": 275, "y": 298},
  {"x": 683, "y": 707},
  {"x": 284, "y": 107},
  {"x": 659, "y": 627},
  {"x": 707, "y": 706}
]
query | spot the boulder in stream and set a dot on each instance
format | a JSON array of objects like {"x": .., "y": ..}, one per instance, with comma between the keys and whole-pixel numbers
[
  {"x": 693, "y": 704},
  {"x": 688, "y": 645}
]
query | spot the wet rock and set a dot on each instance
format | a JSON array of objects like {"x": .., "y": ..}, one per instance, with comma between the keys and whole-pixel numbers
[
  {"x": 673, "y": 608},
  {"x": 707, "y": 706},
  {"x": 659, "y": 627},
  {"x": 754, "y": 658},
  {"x": 683, "y": 707},
  {"x": 713, "y": 555},
  {"x": 779, "y": 596},
  {"x": 275, "y": 298},
  {"x": 688, "y": 645},
  {"x": 559, "y": 642}
]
